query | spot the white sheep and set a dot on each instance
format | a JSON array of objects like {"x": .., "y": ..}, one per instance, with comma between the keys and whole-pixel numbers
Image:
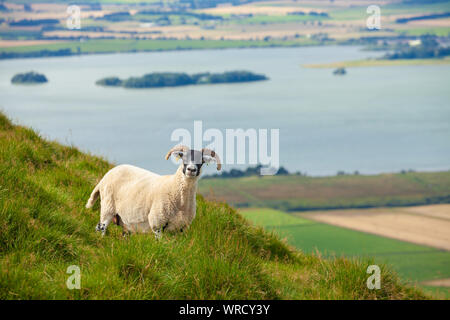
[{"x": 140, "y": 200}]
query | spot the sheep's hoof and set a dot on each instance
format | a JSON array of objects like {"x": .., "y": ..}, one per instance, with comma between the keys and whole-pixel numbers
[
  {"x": 101, "y": 227},
  {"x": 158, "y": 234}
]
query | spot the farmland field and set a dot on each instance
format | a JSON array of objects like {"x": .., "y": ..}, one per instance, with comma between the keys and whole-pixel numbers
[
  {"x": 297, "y": 193},
  {"x": 439, "y": 31},
  {"x": 285, "y": 22},
  {"x": 413, "y": 262},
  {"x": 425, "y": 225}
]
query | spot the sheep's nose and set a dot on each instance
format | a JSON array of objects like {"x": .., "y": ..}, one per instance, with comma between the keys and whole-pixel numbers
[{"x": 192, "y": 169}]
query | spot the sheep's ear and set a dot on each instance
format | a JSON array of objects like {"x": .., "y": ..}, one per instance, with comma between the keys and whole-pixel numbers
[
  {"x": 208, "y": 159},
  {"x": 213, "y": 155},
  {"x": 178, "y": 154}
]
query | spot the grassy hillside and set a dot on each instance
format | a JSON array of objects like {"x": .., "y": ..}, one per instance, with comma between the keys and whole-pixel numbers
[
  {"x": 298, "y": 193},
  {"x": 44, "y": 228},
  {"x": 414, "y": 263}
]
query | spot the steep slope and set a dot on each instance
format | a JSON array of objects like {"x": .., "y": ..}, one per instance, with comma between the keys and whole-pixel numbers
[{"x": 44, "y": 228}]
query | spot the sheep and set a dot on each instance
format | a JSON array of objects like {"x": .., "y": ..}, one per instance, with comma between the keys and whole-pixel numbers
[{"x": 140, "y": 200}]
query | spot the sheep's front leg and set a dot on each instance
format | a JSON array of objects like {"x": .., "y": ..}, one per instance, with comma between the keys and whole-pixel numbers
[
  {"x": 158, "y": 233},
  {"x": 158, "y": 221}
]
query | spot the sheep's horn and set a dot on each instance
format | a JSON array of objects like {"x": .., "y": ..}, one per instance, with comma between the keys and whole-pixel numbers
[
  {"x": 213, "y": 154},
  {"x": 176, "y": 148}
]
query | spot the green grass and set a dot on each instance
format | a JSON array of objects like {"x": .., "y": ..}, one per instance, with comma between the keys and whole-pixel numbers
[
  {"x": 298, "y": 193},
  {"x": 270, "y": 218},
  {"x": 413, "y": 262},
  {"x": 124, "y": 45},
  {"x": 44, "y": 228},
  {"x": 443, "y": 292}
]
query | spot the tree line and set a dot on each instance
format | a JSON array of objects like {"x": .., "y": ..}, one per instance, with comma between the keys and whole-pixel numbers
[
  {"x": 249, "y": 172},
  {"x": 428, "y": 48}
]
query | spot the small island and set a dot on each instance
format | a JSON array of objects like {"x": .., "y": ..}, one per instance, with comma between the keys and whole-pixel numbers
[
  {"x": 28, "y": 78},
  {"x": 340, "y": 71},
  {"x": 171, "y": 79}
]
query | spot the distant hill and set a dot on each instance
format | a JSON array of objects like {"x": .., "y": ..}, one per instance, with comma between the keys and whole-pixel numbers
[
  {"x": 297, "y": 192},
  {"x": 45, "y": 228}
]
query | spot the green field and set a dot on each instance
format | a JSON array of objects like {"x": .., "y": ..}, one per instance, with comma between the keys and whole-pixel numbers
[
  {"x": 438, "y": 31},
  {"x": 332, "y": 28},
  {"x": 359, "y": 12},
  {"x": 337, "y": 14},
  {"x": 413, "y": 262},
  {"x": 297, "y": 193},
  {"x": 265, "y": 19},
  {"x": 134, "y": 45}
]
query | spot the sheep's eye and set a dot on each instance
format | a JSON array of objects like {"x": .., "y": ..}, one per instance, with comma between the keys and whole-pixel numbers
[{"x": 179, "y": 155}]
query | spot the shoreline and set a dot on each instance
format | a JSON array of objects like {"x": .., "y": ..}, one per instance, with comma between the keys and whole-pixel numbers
[
  {"x": 142, "y": 46},
  {"x": 378, "y": 63}
]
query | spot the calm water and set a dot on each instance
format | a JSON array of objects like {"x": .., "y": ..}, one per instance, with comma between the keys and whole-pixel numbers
[{"x": 381, "y": 119}]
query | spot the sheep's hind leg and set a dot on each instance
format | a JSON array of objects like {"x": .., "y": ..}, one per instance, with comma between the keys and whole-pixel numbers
[
  {"x": 103, "y": 225},
  {"x": 107, "y": 214},
  {"x": 118, "y": 221},
  {"x": 100, "y": 227},
  {"x": 107, "y": 211}
]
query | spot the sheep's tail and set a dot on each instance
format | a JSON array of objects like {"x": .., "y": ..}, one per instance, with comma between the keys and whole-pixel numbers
[{"x": 94, "y": 196}]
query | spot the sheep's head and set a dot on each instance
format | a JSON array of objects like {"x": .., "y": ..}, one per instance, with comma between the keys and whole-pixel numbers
[{"x": 194, "y": 159}]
